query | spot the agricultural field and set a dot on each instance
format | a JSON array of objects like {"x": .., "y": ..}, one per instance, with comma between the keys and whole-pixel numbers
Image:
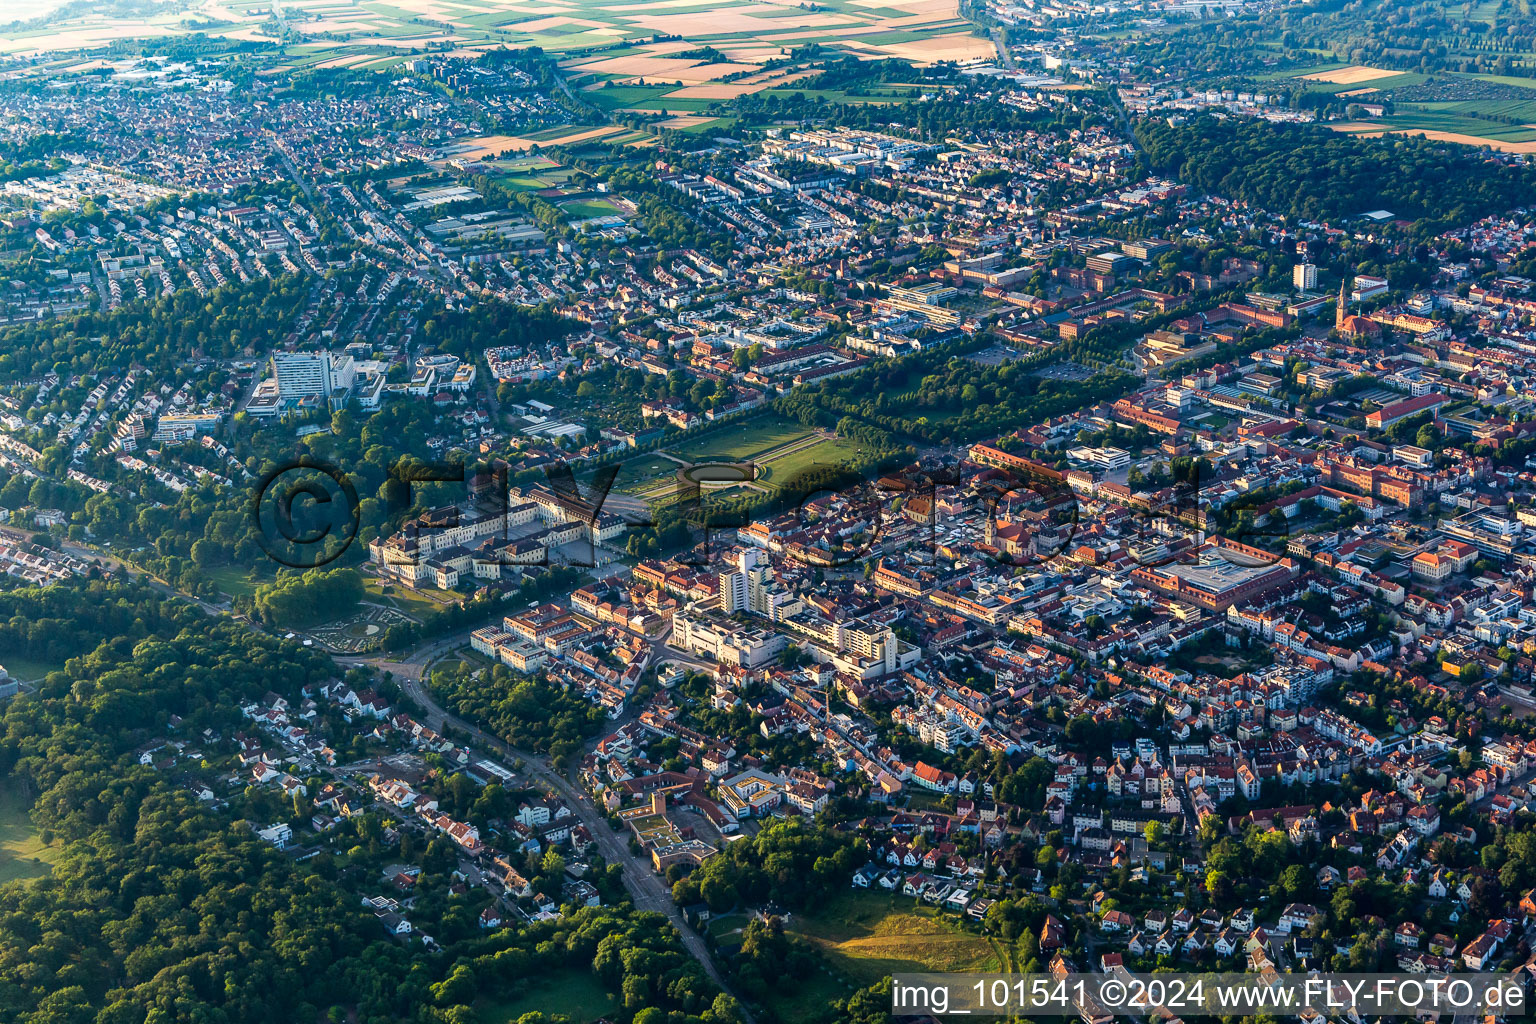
[
  {"x": 498, "y": 147},
  {"x": 1444, "y": 120},
  {"x": 1348, "y": 81},
  {"x": 1288, "y": 73},
  {"x": 1445, "y": 125},
  {"x": 649, "y": 98},
  {"x": 1523, "y": 111},
  {"x": 374, "y": 34},
  {"x": 1353, "y": 75}
]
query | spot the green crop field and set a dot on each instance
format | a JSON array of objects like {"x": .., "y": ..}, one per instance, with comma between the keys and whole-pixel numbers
[
  {"x": 645, "y": 97},
  {"x": 829, "y": 95},
  {"x": 1275, "y": 76},
  {"x": 1460, "y": 124},
  {"x": 1523, "y": 111}
]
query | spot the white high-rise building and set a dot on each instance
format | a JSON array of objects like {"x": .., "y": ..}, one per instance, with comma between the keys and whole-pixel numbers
[
  {"x": 744, "y": 589},
  {"x": 1304, "y": 276},
  {"x": 319, "y": 373}
]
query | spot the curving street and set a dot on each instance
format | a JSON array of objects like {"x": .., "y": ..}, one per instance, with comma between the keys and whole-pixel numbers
[{"x": 648, "y": 890}]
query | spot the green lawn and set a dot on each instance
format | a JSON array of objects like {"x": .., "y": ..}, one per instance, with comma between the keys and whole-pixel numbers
[
  {"x": 741, "y": 441},
  {"x": 764, "y": 441},
  {"x": 577, "y": 994},
  {"x": 525, "y": 164},
  {"x": 535, "y": 179},
  {"x": 726, "y": 929},
  {"x": 1486, "y": 11},
  {"x": 825, "y": 453},
  {"x": 643, "y": 473},
  {"x": 868, "y": 936},
  {"x": 28, "y": 669},
  {"x": 22, "y": 853},
  {"x": 807, "y": 1000},
  {"x": 399, "y": 598},
  {"x": 233, "y": 580}
]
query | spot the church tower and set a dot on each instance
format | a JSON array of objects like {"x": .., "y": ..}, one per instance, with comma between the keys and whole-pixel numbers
[{"x": 1340, "y": 309}]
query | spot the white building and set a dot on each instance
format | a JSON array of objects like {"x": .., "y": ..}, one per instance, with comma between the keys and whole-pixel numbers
[
  {"x": 744, "y": 590},
  {"x": 305, "y": 374}
]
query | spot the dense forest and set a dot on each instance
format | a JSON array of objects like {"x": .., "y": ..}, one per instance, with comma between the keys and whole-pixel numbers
[
  {"x": 527, "y": 712},
  {"x": 1310, "y": 172},
  {"x": 234, "y": 321},
  {"x": 787, "y": 862},
  {"x": 1417, "y": 36},
  {"x": 302, "y": 599},
  {"x": 940, "y": 396},
  {"x": 930, "y": 119}
]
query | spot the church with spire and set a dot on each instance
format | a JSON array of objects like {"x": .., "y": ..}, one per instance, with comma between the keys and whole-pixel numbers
[{"x": 1348, "y": 325}]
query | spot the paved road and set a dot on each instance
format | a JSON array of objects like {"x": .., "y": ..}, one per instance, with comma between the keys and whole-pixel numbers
[
  {"x": 299, "y": 179},
  {"x": 648, "y": 890},
  {"x": 1000, "y": 43},
  {"x": 126, "y": 569}
]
